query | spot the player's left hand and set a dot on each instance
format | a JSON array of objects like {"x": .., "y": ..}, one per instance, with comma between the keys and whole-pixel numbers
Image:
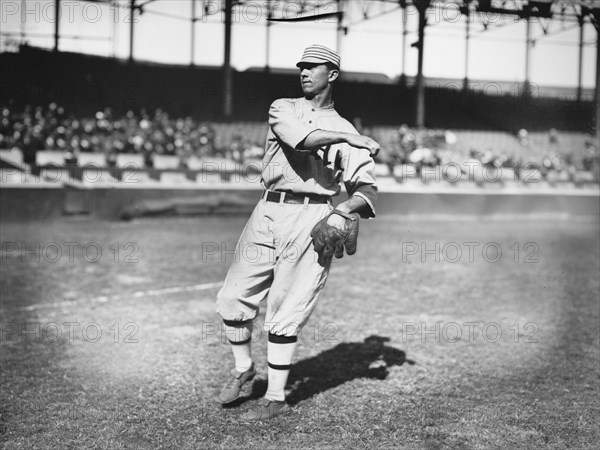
[
  {"x": 335, "y": 232},
  {"x": 337, "y": 221}
]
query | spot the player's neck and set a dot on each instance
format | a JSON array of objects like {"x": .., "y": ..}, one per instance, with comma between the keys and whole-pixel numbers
[{"x": 322, "y": 99}]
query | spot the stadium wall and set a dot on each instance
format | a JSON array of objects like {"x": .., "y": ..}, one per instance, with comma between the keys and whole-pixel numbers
[
  {"x": 25, "y": 204},
  {"x": 85, "y": 83}
]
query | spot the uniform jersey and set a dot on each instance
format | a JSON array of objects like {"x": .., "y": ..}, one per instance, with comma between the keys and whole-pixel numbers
[
  {"x": 286, "y": 168},
  {"x": 275, "y": 256}
]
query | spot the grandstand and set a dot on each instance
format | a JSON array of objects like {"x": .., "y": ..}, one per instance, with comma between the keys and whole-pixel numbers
[
  {"x": 83, "y": 121},
  {"x": 159, "y": 150}
]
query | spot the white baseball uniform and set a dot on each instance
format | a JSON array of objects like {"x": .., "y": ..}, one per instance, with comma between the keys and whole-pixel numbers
[{"x": 275, "y": 258}]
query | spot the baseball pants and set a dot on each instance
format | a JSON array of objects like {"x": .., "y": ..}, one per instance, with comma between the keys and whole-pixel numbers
[{"x": 275, "y": 260}]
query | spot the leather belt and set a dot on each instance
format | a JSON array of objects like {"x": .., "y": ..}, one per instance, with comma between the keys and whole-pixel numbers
[{"x": 294, "y": 199}]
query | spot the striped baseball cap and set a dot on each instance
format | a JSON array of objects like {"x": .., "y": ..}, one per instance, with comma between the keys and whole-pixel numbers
[{"x": 319, "y": 54}]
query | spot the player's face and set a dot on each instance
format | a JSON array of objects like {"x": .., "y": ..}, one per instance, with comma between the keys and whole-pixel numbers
[{"x": 315, "y": 78}]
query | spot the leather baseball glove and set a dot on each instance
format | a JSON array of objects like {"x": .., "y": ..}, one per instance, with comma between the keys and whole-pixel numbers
[{"x": 330, "y": 241}]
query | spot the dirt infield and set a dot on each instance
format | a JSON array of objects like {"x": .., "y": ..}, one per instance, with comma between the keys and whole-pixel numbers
[{"x": 457, "y": 333}]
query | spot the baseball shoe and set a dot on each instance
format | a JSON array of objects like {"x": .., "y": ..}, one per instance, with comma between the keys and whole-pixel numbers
[
  {"x": 231, "y": 390},
  {"x": 267, "y": 409}
]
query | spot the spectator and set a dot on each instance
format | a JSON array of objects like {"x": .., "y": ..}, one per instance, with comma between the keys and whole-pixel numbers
[
  {"x": 523, "y": 137},
  {"x": 151, "y": 133}
]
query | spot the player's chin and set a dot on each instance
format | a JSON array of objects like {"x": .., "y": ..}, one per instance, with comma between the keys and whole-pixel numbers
[{"x": 307, "y": 90}]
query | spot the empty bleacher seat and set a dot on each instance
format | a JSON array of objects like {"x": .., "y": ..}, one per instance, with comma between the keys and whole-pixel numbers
[
  {"x": 566, "y": 142},
  {"x": 130, "y": 160},
  {"x": 495, "y": 141},
  {"x": 382, "y": 170},
  {"x": 530, "y": 176},
  {"x": 451, "y": 173},
  {"x": 224, "y": 165},
  {"x": 92, "y": 159},
  {"x": 97, "y": 176},
  {"x": 404, "y": 171},
  {"x": 54, "y": 174},
  {"x": 218, "y": 165},
  {"x": 165, "y": 161},
  {"x": 563, "y": 176},
  {"x": 562, "y": 179},
  {"x": 491, "y": 174},
  {"x": 14, "y": 156},
  {"x": 209, "y": 178},
  {"x": 178, "y": 178},
  {"x": 583, "y": 177},
  {"x": 136, "y": 177},
  {"x": 16, "y": 178},
  {"x": 12, "y": 176},
  {"x": 194, "y": 163},
  {"x": 507, "y": 174},
  {"x": 50, "y": 158}
]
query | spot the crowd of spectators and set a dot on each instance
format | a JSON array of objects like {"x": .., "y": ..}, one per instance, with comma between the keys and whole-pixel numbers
[
  {"x": 156, "y": 133},
  {"x": 429, "y": 148},
  {"x": 147, "y": 133}
]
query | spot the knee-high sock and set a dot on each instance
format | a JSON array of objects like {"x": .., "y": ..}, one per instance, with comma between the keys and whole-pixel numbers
[
  {"x": 240, "y": 336},
  {"x": 280, "y": 351}
]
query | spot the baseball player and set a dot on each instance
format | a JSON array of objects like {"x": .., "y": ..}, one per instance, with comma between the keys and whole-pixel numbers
[{"x": 285, "y": 250}]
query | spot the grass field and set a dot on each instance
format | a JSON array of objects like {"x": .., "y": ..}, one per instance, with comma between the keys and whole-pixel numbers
[{"x": 118, "y": 345}]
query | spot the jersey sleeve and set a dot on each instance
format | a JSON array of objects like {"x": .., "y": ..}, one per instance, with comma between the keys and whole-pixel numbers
[
  {"x": 285, "y": 124},
  {"x": 358, "y": 175}
]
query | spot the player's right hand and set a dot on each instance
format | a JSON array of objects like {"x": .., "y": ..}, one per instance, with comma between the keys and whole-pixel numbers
[{"x": 359, "y": 141}]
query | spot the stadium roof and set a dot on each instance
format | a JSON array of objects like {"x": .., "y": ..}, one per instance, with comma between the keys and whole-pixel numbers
[
  {"x": 352, "y": 12},
  {"x": 544, "y": 8}
]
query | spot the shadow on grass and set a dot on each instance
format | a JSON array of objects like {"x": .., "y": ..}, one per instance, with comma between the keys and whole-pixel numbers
[{"x": 344, "y": 362}]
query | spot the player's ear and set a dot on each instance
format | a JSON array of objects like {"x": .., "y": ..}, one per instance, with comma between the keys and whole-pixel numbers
[{"x": 334, "y": 72}]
